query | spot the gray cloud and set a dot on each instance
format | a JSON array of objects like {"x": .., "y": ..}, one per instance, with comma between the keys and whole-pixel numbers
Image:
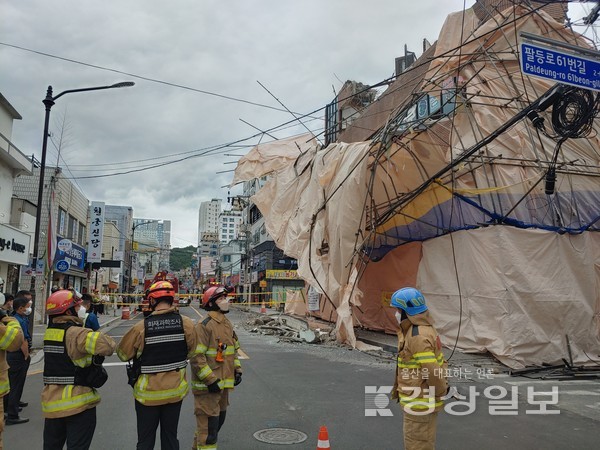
[{"x": 298, "y": 49}]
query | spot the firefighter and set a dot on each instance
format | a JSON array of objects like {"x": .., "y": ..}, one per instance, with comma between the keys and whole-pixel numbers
[
  {"x": 159, "y": 347},
  {"x": 11, "y": 339},
  {"x": 73, "y": 355},
  {"x": 216, "y": 368},
  {"x": 421, "y": 373}
]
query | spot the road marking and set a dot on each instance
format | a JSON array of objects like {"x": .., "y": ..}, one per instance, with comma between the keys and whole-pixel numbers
[
  {"x": 197, "y": 312},
  {"x": 35, "y": 372},
  {"x": 119, "y": 363},
  {"x": 242, "y": 354},
  {"x": 578, "y": 393}
]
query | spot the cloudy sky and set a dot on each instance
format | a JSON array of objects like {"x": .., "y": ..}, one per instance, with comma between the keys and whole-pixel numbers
[{"x": 196, "y": 65}]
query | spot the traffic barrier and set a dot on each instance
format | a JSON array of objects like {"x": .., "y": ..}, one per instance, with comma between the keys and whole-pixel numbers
[
  {"x": 125, "y": 313},
  {"x": 323, "y": 442},
  {"x": 263, "y": 308}
]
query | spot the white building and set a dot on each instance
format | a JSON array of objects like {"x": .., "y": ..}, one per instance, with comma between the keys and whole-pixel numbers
[
  {"x": 208, "y": 217},
  {"x": 17, "y": 216},
  {"x": 229, "y": 225}
]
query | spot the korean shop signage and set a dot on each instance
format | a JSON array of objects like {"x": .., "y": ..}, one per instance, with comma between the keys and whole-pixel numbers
[
  {"x": 73, "y": 254},
  {"x": 96, "y": 230},
  {"x": 14, "y": 246}
]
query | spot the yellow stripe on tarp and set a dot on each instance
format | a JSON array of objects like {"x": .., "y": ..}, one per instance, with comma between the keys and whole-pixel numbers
[{"x": 431, "y": 198}]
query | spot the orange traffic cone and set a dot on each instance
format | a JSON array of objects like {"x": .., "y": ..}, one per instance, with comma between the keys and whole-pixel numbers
[
  {"x": 263, "y": 308},
  {"x": 323, "y": 443}
]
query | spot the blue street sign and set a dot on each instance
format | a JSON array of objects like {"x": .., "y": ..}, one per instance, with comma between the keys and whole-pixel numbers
[
  {"x": 560, "y": 66},
  {"x": 62, "y": 266}
]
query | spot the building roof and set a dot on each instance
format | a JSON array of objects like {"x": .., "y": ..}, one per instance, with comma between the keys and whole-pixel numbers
[{"x": 13, "y": 112}]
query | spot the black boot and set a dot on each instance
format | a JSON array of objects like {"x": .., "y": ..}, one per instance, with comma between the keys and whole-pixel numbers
[
  {"x": 222, "y": 419},
  {"x": 213, "y": 430}
]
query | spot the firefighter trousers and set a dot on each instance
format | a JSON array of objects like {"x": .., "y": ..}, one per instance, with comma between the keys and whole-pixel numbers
[
  {"x": 210, "y": 410},
  {"x": 148, "y": 420},
  {"x": 77, "y": 431},
  {"x": 419, "y": 431},
  {"x": 1, "y": 421}
]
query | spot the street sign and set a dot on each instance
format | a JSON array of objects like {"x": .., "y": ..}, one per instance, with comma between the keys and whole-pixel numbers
[
  {"x": 62, "y": 266},
  {"x": 564, "y": 66}
]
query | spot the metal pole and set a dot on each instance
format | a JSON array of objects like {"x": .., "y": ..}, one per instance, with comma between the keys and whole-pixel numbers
[{"x": 48, "y": 103}]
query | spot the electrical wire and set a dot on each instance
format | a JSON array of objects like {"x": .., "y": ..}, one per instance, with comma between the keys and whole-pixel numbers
[{"x": 141, "y": 77}]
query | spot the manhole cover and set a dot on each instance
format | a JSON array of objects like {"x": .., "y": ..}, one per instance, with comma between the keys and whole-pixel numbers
[{"x": 281, "y": 436}]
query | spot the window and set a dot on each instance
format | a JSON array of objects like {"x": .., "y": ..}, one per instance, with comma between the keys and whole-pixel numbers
[
  {"x": 82, "y": 234},
  {"x": 62, "y": 222},
  {"x": 72, "y": 229},
  {"x": 226, "y": 258},
  {"x": 231, "y": 219}
]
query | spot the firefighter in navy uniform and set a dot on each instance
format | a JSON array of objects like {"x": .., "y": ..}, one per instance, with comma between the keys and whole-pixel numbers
[
  {"x": 68, "y": 398},
  {"x": 216, "y": 368},
  {"x": 159, "y": 347}
]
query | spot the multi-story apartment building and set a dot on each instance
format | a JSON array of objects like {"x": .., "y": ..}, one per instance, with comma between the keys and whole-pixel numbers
[{"x": 229, "y": 225}]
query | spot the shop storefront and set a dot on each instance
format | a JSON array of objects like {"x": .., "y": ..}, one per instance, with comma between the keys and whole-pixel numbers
[
  {"x": 278, "y": 282},
  {"x": 14, "y": 253}
]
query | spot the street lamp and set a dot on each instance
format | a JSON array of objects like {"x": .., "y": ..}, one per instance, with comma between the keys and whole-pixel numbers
[
  {"x": 49, "y": 103},
  {"x": 135, "y": 225}
]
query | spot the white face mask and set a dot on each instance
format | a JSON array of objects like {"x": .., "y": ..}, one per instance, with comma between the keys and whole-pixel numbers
[
  {"x": 28, "y": 311},
  {"x": 398, "y": 316},
  {"x": 223, "y": 304},
  {"x": 81, "y": 312}
]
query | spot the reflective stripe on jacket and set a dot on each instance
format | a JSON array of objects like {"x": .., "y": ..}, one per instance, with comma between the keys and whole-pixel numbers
[
  {"x": 215, "y": 329},
  {"x": 11, "y": 338},
  {"x": 421, "y": 373},
  {"x": 160, "y": 388},
  {"x": 60, "y": 400}
]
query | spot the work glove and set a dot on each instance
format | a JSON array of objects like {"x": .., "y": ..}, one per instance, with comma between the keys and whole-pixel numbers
[
  {"x": 238, "y": 378},
  {"x": 213, "y": 387}
]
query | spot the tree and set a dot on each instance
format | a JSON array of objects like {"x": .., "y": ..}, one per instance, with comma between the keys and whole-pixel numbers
[{"x": 181, "y": 258}]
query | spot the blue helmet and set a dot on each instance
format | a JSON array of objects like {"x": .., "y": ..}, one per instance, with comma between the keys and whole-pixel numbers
[{"x": 410, "y": 300}]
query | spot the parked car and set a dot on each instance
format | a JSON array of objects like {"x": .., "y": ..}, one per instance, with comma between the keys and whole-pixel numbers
[{"x": 184, "y": 301}]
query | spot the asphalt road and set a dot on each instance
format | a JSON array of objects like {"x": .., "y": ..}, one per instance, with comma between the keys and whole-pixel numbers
[{"x": 300, "y": 387}]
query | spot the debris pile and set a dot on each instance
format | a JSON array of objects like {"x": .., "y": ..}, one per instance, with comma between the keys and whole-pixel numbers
[{"x": 289, "y": 330}]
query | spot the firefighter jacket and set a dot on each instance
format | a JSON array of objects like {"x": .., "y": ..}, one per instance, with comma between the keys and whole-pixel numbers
[
  {"x": 211, "y": 363},
  {"x": 68, "y": 345},
  {"x": 421, "y": 373},
  {"x": 157, "y": 341},
  {"x": 11, "y": 338}
]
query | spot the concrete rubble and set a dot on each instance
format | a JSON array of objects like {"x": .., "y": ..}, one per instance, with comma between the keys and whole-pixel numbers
[{"x": 289, "y": 330}]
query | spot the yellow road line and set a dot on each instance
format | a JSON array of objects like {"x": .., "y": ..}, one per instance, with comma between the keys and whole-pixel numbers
[{"x": 242, "y": 354}]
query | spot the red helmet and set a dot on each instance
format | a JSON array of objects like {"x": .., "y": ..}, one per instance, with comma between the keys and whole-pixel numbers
[
  {"x": 213, "y": 293},
  {"x": 161, "y": 289},
  {"x": 61, "y": 301}
]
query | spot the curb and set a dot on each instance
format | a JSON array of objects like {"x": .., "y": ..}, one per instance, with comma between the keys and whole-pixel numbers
[{"x": 386, "y": 347}]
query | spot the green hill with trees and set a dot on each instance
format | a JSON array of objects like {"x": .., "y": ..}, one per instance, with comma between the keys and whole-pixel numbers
[{"x": 181, "y": 258}]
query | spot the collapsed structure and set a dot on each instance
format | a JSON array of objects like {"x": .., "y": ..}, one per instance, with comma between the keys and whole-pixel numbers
[{"x": 467, "y": 179}]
